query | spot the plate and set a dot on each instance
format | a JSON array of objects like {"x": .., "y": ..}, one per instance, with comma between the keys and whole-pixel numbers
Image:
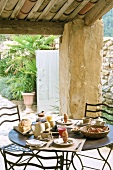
[
  {"x": 76, "y": 131},
  {"x": 69, "y": 122},
  {"x": 83, "y": 124},
  {"x": 27, "y": 133},
  {"x": 60, "y": 142}
]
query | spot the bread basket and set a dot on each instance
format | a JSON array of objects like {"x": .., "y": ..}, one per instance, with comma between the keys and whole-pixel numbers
[{"x": 94, "y": 135}]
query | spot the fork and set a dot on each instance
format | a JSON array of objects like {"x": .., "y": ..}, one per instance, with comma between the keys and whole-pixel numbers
[{"x": 51, "y": 143}]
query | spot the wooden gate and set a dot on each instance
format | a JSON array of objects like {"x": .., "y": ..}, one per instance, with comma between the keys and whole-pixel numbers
[{"x": 47, "y": 79}]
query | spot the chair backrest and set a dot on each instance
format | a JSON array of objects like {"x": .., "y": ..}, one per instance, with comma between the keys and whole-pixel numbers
[
  {"x": 9, "y": 114},
  {"x": 42, "y": 160},
  {"x": 101, "y": 110}
]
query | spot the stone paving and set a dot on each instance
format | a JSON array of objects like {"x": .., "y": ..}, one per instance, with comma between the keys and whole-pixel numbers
[{"x": 4, "y": 139}]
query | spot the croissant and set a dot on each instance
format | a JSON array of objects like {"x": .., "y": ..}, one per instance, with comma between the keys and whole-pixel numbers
[
  {"x": 65, "y": 118},
  {"x": 65, "y": 136}
]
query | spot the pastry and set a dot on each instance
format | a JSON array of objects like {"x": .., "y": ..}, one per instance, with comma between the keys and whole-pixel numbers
[
  {"x": 24, "y": 125},
  {"x": 65, "y": 136},
  {"x": 65, "y": 118}
]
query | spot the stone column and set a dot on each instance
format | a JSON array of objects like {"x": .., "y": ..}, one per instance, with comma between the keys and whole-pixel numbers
[{"x": 80, "y": 66}]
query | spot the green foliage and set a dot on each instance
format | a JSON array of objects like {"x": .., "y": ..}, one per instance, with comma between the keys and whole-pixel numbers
[
  {"x": 26, "y": 45},
  {"x": 20, "y": 66},
  {"x": 2, "y": 38},
  {"x": 3, "y": 66},
  {"x": 5, "y": 88},
  {"x": 108, "y": 24}
]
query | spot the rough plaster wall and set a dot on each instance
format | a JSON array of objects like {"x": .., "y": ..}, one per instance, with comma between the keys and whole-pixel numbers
[
  {"x": 64, "y": 77},
  {"x": 80, "y": 67}
]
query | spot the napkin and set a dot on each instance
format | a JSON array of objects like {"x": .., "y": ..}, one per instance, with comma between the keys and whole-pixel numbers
[
  {"x": 35, "y": 143},
  {"x": 79, "y": 143}
]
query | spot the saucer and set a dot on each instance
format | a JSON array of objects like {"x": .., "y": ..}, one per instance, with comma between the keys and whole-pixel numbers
[
  {"x": 83, "y": 124},
  {"x": 69, "y": 122},
  {"x": 60, "y": 142}
]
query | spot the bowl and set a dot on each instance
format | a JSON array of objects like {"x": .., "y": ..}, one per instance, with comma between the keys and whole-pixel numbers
[
  {"x": 94, "y": 132},
  {"x": 76, "y": 130}
]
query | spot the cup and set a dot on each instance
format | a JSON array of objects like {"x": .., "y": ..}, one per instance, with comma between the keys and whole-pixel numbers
[
  {"x": 45, "y": 134},
  {"x": 49, "y": 118},
  {"x": 86, "y": 120},
  {"x": 47, "y": 125},
  {"x": 61, "y": 129},
  {"x": 38, "y": 128},
  {"x": 52, "y": 123},
  {"x": 103, "y": 123},
  {"x": 98, "y": 122}
]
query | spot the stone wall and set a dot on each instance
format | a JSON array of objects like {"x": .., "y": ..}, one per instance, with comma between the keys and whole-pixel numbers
[{"x": 107, "y": 76}]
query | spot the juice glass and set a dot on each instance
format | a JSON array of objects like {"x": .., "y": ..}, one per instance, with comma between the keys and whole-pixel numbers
[
  {"x": 49, "y": 118},
  {"x": 61, "y": 129}
]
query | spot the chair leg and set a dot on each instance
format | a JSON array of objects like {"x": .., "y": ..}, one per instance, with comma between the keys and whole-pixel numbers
[
  {"x": 5, "y": 160},
  {"x": 73, "y": 155},
  {"x": 105, "y": 160}
]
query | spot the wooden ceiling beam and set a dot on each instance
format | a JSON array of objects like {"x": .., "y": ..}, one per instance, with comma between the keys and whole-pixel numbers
[
  {"x": 31, "y": 27},
  {"x": 100, "y": 8},
  {"x": 2, "y": 5}
]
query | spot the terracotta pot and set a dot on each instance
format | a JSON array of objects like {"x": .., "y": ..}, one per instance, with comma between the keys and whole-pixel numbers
[{"x": 28, "y": 101}]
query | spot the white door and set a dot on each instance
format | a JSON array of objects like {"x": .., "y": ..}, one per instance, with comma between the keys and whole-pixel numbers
[{"x": 47, "y": 80}]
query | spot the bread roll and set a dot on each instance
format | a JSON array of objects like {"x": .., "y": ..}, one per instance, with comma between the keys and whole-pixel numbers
[
  {"x": 24, "y": 125},
  {"x": 65, "y": 136},
  {"x": 65, "y": 118}
]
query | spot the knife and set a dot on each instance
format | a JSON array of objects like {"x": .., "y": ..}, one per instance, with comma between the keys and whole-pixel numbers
[
  {"x": 78, "y": 146},
  {"x": 51, "y": 143},
  {"x": 76, "y": 123}
]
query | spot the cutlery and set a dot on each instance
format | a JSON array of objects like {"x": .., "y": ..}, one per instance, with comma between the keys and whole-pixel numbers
[
  {"x": 51, "y": 143},
  {"x": 76, "y": 123},
  {"x": 78, "y": 146}
]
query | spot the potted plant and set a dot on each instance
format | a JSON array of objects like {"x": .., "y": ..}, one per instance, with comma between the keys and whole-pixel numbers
[
  {"x": 29, "y": 84},
  {"x": 22, "y": 65}
]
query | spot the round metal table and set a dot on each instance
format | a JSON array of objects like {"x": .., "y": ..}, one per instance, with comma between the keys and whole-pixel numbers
[{"x": 20, "y": 139}]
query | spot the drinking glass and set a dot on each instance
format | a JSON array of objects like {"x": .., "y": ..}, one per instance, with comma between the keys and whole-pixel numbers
[
  {"x": 61, "y": 129},
  {"x": 49, "y": 118}
]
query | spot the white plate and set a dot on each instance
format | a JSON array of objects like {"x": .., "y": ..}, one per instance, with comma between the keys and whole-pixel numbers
[
  {"x": 61, "y": 143},
  {"x": 69, "y": 122}
]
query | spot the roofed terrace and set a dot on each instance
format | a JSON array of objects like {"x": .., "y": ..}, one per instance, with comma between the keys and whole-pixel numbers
[{"x": 79, "y": 24}]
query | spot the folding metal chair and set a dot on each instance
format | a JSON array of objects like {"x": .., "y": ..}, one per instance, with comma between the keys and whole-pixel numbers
[
  {"x": 105, "y": 112},
  {"x": 16, "y": 156}
]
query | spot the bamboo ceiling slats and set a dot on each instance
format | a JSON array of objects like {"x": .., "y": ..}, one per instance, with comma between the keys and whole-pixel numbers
[
  {"x": 33, "y": 13},
  {"x": 76, "y": 11}
]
